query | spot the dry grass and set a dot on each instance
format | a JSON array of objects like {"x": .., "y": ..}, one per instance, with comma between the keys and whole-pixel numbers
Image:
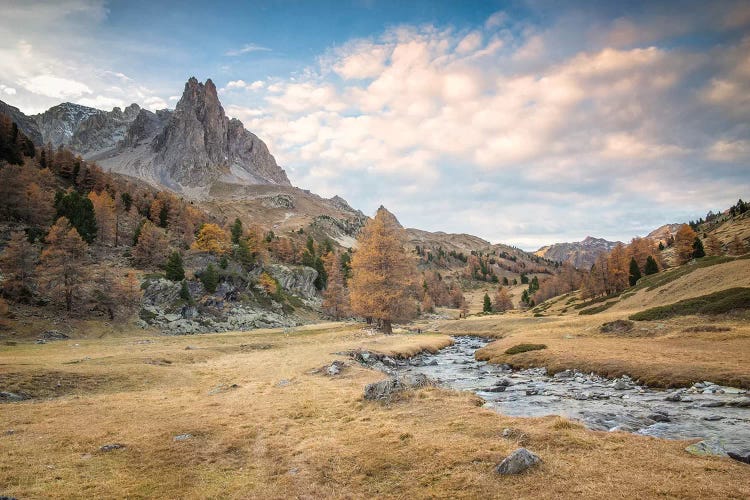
[{"x": 285, "y": 432}]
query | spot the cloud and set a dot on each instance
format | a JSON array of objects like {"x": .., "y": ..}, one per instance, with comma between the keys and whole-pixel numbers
[
  {"x": 408, "y": 117},
  {"x": 55, "y": 86},
  {"x": 7, "y": 90},
  {"x": 246, "y": 49},
  {"x": 242, "y": 85}
]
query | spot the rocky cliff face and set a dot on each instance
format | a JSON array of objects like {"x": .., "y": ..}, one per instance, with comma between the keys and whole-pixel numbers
[
  {"x": 26, "y": 124},
  {"x": 582, "y": 254},
  {"x": 103, "y": 131}
]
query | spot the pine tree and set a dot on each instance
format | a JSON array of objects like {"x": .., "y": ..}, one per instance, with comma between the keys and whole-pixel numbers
[
  {"x": 17, "y": 264},
  {"x": 383, "y": 272},
  {"x": 173, "y": 269},
  {"x": 486, "y": 304},
  {"x": 62, "y": 267},
  {"x": 651, "y": 266},
  {"x": 635, "y": 272},
  {"x": 236, "y": 231},
  {"x": 210, "y": 278},
  {"x": 335, "y": 296},
  {"x": 79, "y": 212},
  {"x": 185, "y": 292},
  {"x": 698, "y": 250}
]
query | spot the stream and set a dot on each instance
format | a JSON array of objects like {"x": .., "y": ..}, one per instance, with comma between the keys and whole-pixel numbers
[{"x": 718, "y": 415}]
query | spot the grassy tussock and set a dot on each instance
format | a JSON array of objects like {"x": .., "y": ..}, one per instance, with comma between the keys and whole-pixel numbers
[{"x": 519, "y": 348}]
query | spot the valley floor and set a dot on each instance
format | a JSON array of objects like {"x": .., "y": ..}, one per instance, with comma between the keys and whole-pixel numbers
[{"x": 243, "y": 415}]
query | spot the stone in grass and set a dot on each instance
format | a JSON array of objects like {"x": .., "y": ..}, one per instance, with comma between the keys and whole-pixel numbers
[
  {"x": 182, "y": 437},
  {"x": 707, "y": 448},
  {"x": 111, "y": 447},
  {"x": 517, "y": 462}
]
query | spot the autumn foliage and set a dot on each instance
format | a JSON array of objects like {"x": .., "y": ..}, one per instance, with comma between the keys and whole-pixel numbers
[{"x": 383, "y": 273}]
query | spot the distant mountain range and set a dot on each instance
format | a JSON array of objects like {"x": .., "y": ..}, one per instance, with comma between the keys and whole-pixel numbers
[{"x": 582, "y": 254}]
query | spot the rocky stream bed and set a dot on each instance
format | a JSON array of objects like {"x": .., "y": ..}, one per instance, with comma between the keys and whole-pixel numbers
[{"x": 719, "y": 416}]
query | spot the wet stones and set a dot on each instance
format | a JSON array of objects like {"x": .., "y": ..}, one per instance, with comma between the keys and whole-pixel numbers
[
  {"x": 517, "y": 462},
  {"x": 386, "y": 389}
]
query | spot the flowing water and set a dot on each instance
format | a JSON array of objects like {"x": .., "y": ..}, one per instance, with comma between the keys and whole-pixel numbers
[{"x": 717, "y": 414}]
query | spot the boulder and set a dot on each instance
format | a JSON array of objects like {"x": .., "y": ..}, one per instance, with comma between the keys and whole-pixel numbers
[
  {"x": 517, "y": 462},
  {"x": 707, "y": 448},
  {"x": 297, "y": 280}
]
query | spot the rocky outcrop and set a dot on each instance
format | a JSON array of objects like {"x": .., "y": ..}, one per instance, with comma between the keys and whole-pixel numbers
[
  {"x": 26, "y": 124},
  {"x": 517, "y": 462},
  {"x": 297, "y": 280}
]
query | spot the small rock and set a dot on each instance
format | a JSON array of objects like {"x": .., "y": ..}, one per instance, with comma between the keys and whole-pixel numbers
[
  {"x": 110, "y": 447},
  {"x": 382, "y": 390},
  {"x": 13, "y": 397},
  {"x": 659, "y": 417},
  {"x": 511, "y": 433},
  {"x": 740, "y": 403},
  {"x": 497, "y": 388},
  {"x": 334, "y": 368},
  {"x": 713, "y": 418},
  {"x": 517, "y": 462},
  {"x": 190, "y": 348},
  {"x": 713, "y": 404},
  {"x": 432, "y": 362},
  {"x": 620, "y": 385},
  {"x": 674, "y": 397},
  {"x": 283, "y": 383},
  {"x": 182, "y": 437},
  {"x": 563, "y": 374},
  {"x": 742, "y": 456}
]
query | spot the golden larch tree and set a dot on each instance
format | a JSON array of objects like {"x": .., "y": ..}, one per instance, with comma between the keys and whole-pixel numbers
[
  {"x": 713, "y": 246},
  {"x": 683, "y": 243},
  {"x": 62, "y": 268},
  {"x": 383, "y": 273},
  {"x": 335, "y": 296},
  {"x": 211, "y": 238}
]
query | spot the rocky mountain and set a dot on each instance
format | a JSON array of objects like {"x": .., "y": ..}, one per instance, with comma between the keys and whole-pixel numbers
[
  {"x": 582, "y": 254},
  {"x": 662, "y": 233},
  {"x": 187, "y": 150},
  {"x": 59, "y": 123}
]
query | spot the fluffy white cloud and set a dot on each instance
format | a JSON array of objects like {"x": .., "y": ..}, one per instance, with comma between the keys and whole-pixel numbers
[
  {"x": 7, "y": 90},
  {"x": 55, "y": 86}
]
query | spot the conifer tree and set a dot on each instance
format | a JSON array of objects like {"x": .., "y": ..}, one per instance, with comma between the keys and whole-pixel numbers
[
  {"x": 486, "y": 304},
  {"x": 152, "y": 247},
  {"x": 62, "y": 268},
  {"x": 79, "y": 211},
  {"x": 635, "y": 272},
  {"x": 173, "y": 269},
  {"x": 651, "y": 266},
  {"x": 236, "y": 231},
  {"x": 698, "y": 250},
  {"x": 104, "y": 213},
  {"x": 210, "y": 278},
  {"x": 383, "y": 272}
]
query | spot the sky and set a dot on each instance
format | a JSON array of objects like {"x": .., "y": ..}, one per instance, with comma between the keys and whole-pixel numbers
[{"x": 522, "y": 122}]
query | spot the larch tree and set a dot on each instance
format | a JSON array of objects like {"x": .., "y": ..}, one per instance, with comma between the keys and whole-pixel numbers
[
  {"x": 383, "y": 273},
  {"x": 335, "y": 296},
  {"x": 503, "y": 301},
  {"x": 104, "y": 212},
  {"x": 211, "y": 238},
  {"x": 736, "y": 246},
  {"x": 17, "y": 265},
  {"x": 683, "y": 243},
  {"x": 152, "y": 247},
  {"x": 713, "y": 246},
  {"x": 63, "y": 268}
]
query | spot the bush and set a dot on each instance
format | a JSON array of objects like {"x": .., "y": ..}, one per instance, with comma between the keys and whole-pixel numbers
[
  {"x": 209, "y": 278},
  {"x": 516, "y": 349}
]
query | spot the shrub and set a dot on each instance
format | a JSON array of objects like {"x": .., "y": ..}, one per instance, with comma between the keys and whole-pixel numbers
[{"x": 516, "y": 349}]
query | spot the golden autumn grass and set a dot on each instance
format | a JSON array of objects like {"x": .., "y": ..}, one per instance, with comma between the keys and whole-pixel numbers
[{"x": 285, "y": 431}]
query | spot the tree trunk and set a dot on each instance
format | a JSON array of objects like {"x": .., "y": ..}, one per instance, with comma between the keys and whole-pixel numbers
[
  {"x": 387, "y": 327},
  {"x": 368, "y": 319}
]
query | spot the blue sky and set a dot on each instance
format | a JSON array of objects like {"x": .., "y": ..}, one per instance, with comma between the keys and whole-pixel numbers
[{"x": 523, "y": 122}]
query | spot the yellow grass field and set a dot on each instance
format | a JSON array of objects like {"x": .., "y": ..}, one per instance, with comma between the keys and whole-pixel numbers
[{"x": 285, "y": 431}]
